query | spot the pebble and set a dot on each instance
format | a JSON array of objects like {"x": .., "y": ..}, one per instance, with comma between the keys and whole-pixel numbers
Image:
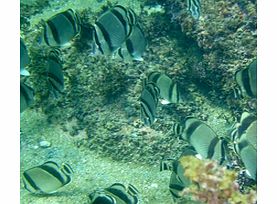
[
  {"x": 154, "y": 185},
  {"x": 44, "y": 144}
]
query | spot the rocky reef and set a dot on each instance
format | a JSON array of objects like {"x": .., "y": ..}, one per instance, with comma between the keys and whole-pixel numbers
[{"x": 100, "y": 100}]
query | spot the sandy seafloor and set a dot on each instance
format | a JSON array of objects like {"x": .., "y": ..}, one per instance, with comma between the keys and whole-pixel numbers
[{"x": 90, "y": 170}]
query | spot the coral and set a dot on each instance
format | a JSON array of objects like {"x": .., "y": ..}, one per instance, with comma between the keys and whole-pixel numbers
[{"x": 212, "y": 183}]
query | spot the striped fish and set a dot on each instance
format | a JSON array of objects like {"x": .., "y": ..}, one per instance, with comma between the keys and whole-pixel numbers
[
  {"x": 245, "y": 142},
  {"x": 54, "y": 72},
  {"x": 61, "y": 28},
  {"x": 148, "y": 103},
  {"x": 247, "y": 80},
  {"x": 24, "y": 58},
  {"x": 194, "y": 6},
  {"x": 202, "y": 138},
  {"x": 111, "y": 30},
  {"x": 177, "y": 179},
  {"x": 117, "y": 193},
  {"x": 26, "y": 96},
  {"x": 134, "y": 46},
  {"x": 169, "y": 90},
  {"x": 47, "y": 178}
]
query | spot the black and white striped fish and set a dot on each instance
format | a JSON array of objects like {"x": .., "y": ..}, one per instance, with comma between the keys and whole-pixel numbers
[
  {"x": 169, "y": 90},
  {"x": 24, "y": 59},
  {"x": 47, "y": 178},
  {"x": 117, "y": 193},
  {"x": 202, "y": 138},
  {"x": 111, "y": 30},
  {"x": 61, "y": 28},
  {"x": 245, "y": 142},
  {"x": 148, "y": 103},
  {"x": 54, "y": 72},
  {"x": 134, "y": 46},
  {"x": 194, "y": 6},
  {"x": 177, "y": 181},
  {"x": 117, "y": 31},
  {"x": 247, "y": 80},
  {"x": 26, "y": 96}
]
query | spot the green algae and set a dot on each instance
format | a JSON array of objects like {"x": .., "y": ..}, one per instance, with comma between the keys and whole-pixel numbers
[
  {"x": 98, "y": 116},
  {"x": 91, "y": 169}
]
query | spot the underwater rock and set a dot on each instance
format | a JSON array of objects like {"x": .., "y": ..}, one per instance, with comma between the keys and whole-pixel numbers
[{"x": 44, "y": 144}]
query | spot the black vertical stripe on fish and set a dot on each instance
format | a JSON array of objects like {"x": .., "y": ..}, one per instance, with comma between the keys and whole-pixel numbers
[
  {"x": 165, "y": 83},
  {"x": 154, "y": 76},
  {"x": 120, "y": 53},
  {"x": 129, "y": 46},
  {"x": 132, "y": 17},
  {"x": 133, "y": 190},
  {"x": 54, "y": 31},
  {"x": 192, "y": 127},
  {"x": 153, "y": 91},
  {"x": 177, "y": 92},
  {"x": 147, "y": 110},
  {"x": 122, "y": 19},
  {"x": 27, "y": 91},
  {"x": 223, "y": 149},
  {"x": 66, "y": 168},
  {"x": 246, "y": 82},
  {"x": 176, "y": 187},
  {"x": 97, "y": 40},
  {"x": 54, "y": 173},
  {"x": 105, "y": 35},
  {"x": 194, "y": 8},
  {"x": 45, "y": 34},
  {"x": 252, "y": 73},
  {"x": 170, "y": 90},
  {"x": 112, "y": 28},
  {"x": 147, "y": 118},
  {"x": 211, "y": 148},
  {"x": 177, "y": 129},
  {"x": 107, "y": 199},
  {"x": 148, "y": 101},
  {"x": 69, "y": 14},
  {"x": 246, "y": 121},
  {"x": 135, "y": 44},
  {"x": 175, "y": 166},
  {"x": 24, "y": 58},
  {"x": 56, "y": 78},
  {"x": 241, "y": 145},
  {"x": 53, "y": 78},
  {"x": 55, "y": 86},
  {"x": 167, "y": 164},
  {"x": 122, "y": 195},
  {"x": 174, "y": 195},
  {"x": 26, "y": 96},
  {"x": 30, "y": 181}
]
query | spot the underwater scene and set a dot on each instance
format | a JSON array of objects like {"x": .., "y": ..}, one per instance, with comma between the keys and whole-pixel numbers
[{"x": 138, "y": 102}]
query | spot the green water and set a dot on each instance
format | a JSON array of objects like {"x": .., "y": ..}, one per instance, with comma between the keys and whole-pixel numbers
[{"x": 95, "y": 125}]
